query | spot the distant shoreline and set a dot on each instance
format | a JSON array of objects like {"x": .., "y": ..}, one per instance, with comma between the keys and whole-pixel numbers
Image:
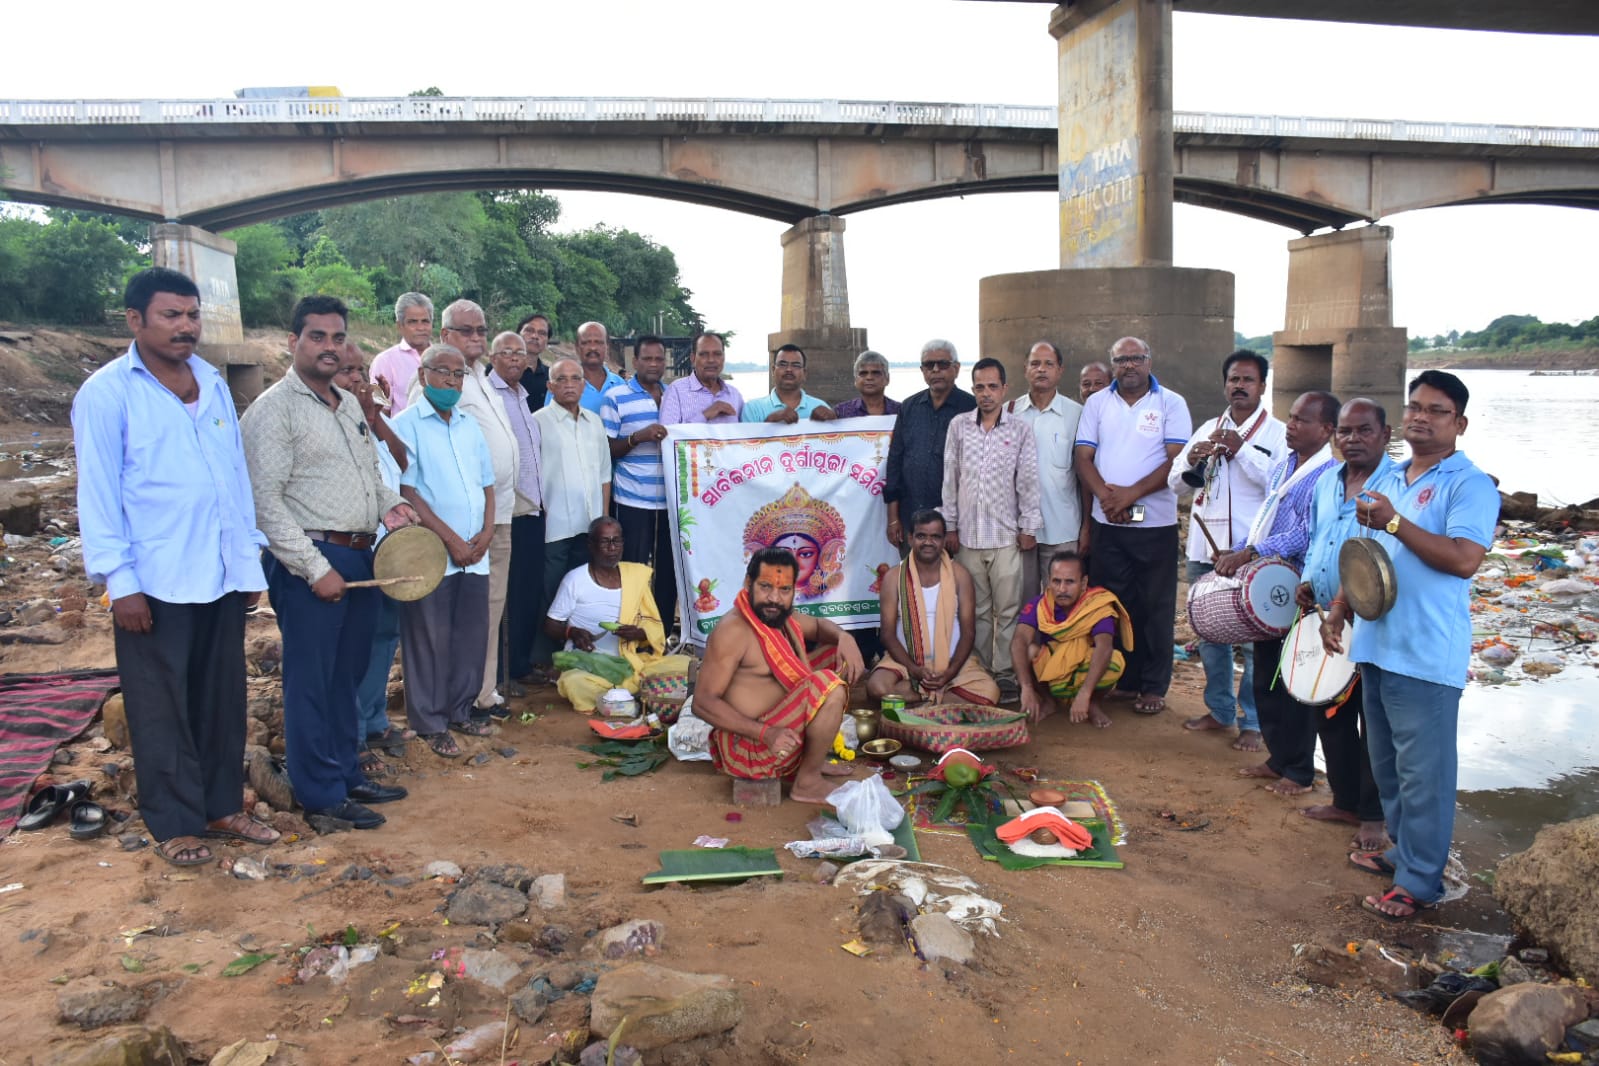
[{"x": 1532, "y": 359}]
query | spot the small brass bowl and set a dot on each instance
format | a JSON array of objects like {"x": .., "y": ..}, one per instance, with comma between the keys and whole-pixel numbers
[{"x": 881, "y": 748}]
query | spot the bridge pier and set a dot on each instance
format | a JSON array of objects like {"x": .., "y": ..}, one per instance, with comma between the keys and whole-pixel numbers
[
  {"x": 1338, "y": 332},
  {"x": 208, "y": 260},
  {"x": 815, "y": 312},
  {"x": 1117, "y": 165}
]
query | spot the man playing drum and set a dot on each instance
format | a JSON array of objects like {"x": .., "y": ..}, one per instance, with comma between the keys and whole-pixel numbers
[
  {"x": 1436, "y": 513},
  {"x": 1362, "y": 437},
  {"x": 1281, "y": 529},
  {"x": 1228, "y": 461},
  {"x": 772, "y": 712},
  {"x": 1064, "y": 647}
]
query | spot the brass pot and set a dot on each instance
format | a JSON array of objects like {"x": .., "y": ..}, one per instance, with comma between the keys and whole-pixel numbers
[{"x": 865, "y": 725}]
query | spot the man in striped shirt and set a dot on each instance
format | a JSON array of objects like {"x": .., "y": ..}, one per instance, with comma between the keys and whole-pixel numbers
[{"x": 631, "y": 413}]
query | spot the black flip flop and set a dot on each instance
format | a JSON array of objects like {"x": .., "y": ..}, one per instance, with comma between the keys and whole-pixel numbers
[
  {"x": 88, "y": 820},
  {"x": 1378, "y": 866},
  {"x": 49, "y": 802}
]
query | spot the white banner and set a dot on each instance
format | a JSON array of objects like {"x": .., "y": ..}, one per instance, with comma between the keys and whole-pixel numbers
[{"x": 815, "y": 488}]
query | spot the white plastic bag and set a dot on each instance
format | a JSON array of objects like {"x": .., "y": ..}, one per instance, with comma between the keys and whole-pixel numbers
[
  {"x": 868, "y": 810},
  {"x": 689, "y": 738}
]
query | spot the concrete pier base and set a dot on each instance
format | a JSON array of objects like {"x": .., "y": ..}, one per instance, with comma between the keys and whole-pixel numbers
[
  {"x": 208, "y": 260},
  {"x": 1338, "y": 333},
  {"x": 815, "y": 313},
  {"x": 1185, "y": 315}
]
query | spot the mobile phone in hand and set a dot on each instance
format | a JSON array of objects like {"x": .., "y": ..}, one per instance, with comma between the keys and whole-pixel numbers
[{"x": 1137, "y": 512}]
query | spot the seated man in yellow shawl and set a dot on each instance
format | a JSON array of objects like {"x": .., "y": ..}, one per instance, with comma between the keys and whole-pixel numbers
[
  {"x": 1064, "y": 648},
  {"x": 928, "y": 626},
  {"x": 773, "y": 709},
  {"x": 606, "y": 606}
]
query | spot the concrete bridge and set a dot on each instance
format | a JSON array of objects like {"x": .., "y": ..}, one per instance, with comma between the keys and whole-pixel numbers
[{"x": 219, "y": 164}]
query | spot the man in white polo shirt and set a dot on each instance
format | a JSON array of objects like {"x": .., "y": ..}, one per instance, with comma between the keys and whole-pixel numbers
[{"x": 1126, "y": 440}]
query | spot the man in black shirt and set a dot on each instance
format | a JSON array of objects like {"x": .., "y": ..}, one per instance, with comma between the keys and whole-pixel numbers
[
  {"x": 915, "y": 468},
  {"x": 535, "y": 333}
]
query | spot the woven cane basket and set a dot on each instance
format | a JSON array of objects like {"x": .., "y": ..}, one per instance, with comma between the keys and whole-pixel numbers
[
  {"x": 664, "y": 694},
  {"x": 972, "y": 726}
]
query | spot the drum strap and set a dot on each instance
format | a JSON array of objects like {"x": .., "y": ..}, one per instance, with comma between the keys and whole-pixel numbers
[{"x": 1226, "y": 418}]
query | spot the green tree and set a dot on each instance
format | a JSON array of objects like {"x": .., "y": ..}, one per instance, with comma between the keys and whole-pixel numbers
[
  {"x": 73, "y": 269},
  {"x": 341, "y": 280},
  {"x": 646, "y": 278},
  {"x": 133, "y": 231},
  {"x": 510, "y": 281},
  {"x": 407, "y": 234},
  {"x": 15, "y": 233},
  {"x": 588, "y": 290},
  {"x": 263, "y": 264}
]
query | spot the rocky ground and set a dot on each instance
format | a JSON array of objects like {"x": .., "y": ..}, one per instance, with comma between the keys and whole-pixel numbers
[{"x": 499, "y": 916}]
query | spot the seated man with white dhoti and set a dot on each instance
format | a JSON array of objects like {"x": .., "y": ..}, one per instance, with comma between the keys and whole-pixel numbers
[
  {"x": 606, "y": 606},
  {"x": 1064, "y": 648},
  {"x": 773, "y": 712},
  {"x": 928, "y": 626}
]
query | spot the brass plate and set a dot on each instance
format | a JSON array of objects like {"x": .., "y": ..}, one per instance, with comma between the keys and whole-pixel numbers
[
  {"x": 410, "y": 552},
  {"x": 1367, "y": 573}
]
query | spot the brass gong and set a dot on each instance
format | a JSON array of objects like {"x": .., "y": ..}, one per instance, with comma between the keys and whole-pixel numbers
[
  {"x": 408, "y": 565},
  {"x": 1367, "y": 574}
]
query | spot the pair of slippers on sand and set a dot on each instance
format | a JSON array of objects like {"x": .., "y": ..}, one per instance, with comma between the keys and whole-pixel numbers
[
  {"x": 1372, "y": 862},
  {"x": 87, "y": 818}
]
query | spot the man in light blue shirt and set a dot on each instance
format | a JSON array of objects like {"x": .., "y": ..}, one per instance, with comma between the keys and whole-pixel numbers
[
  {"x": 632, "y": 418},
  {"x": 1362, "y": 437},
  {"x": 168, "y": 525},
  {"x": 788, "y": 402},
  {"x": 449, "y": 479},
  {"x": 1436, "y": 512}
]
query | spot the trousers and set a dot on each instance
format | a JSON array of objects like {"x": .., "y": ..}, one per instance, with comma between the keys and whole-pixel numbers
[{"x": 1139, "y": 565}]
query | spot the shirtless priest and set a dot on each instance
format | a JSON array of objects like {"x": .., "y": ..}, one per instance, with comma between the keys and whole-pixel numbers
[{"x": 774, "y": 712}]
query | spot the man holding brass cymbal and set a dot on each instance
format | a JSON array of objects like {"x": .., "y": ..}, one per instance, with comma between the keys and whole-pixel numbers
[
  {"x": 1362, "y": 437},
  {"x": 1435, "y": 515}
]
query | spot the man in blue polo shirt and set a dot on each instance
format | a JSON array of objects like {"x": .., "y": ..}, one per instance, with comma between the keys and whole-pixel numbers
[
  {"x": 632, "y": 417},
  {"x": 1126, "y": 439},
  {"x": 788, "y": 402},
  {"x": 1362, "y": 437},
  {"x": 1435, "y": 513},
  {"x": 593, "y": 345}
]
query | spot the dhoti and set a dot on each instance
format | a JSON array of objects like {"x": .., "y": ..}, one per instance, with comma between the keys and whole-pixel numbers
[
  {"x": 739, "y": 756},
  {"x": 1066, "y": 681},
  {"x": 973, "y": 684}
]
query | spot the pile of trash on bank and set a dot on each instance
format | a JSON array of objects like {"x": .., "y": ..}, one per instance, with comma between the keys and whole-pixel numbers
[{"x": 1535, "y": 605}]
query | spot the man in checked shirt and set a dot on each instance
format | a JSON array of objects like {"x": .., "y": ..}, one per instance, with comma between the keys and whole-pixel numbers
[{"x": 992, "y": 511}]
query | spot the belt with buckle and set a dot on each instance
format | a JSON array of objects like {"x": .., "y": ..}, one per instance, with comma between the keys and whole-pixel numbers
[{"x": 358, "y": 541}]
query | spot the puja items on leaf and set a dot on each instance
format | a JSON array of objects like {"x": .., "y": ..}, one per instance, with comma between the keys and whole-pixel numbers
[{"x": 961, "y": 780}]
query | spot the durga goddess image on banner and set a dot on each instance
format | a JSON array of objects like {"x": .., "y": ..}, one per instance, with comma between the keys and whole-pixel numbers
[{"x": 808, "y": 527}]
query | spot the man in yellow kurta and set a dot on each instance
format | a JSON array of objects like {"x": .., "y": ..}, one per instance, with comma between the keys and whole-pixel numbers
[
  {"x": 1064, "y": 648},
  {"x": 606, "y": 606}
]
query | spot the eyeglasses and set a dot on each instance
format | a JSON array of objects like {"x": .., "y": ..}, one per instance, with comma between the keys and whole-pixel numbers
[
  {"x": 785, "y": 365},
  {"x": 1129, "y": 360},
  {"x": 937, "y": 364},
  {"x": 535, "y": 333},
  {"x": 508, "y": 353},
  {"x": 469, "y": 331},
  {"x": 453, "y": 375},
  {"x": 1415, "y": 410},
  {"x": 602, "y": 541}
]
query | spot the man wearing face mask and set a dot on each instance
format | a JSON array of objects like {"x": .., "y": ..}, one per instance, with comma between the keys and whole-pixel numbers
[
  {"x": 318, "y": 498},
  {"x": 450, "y": 481}
]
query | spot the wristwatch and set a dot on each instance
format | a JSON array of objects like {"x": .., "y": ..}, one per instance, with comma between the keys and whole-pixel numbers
[{"x": 1393, "y": 525}]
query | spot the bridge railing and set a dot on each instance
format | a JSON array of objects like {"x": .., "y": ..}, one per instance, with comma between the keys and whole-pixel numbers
[{"x": 535, "y": 109}]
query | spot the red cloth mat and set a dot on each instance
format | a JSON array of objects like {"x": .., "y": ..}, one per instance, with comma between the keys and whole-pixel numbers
[{"x": 39, "y": 713}]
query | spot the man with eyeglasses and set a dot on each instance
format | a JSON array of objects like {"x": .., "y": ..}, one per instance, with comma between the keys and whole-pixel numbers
[
  {"x": 465, "y": 329},
  {"x": 1229, "y": 460},
  {"x": 788, "y": 402},
  {"x": 450, "y": 481},
  {"x": 1362, "y": 437},
  {"x": 871, "y": 379},
  {"x": 534, "y": 330},
  {"x": 524, "y": 596},
  {"x": 575, "y": 461},
  {"x": 593, "y": 346},
  {"x": 318, "y": 498},
  {"x": 914, "y": 472},
  {"x": 1126, "y": 441},
  {"x": 1435, "y": 514},
  {"x": 395, "y": 368}
]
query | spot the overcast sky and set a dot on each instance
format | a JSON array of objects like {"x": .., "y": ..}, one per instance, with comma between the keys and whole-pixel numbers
[{"x": 913, "y": 270}]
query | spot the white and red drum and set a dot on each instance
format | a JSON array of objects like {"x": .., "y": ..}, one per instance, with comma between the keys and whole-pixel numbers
[
  {"x": 1310, "y": 674},
  {"x": 1256, "y": 603}
]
